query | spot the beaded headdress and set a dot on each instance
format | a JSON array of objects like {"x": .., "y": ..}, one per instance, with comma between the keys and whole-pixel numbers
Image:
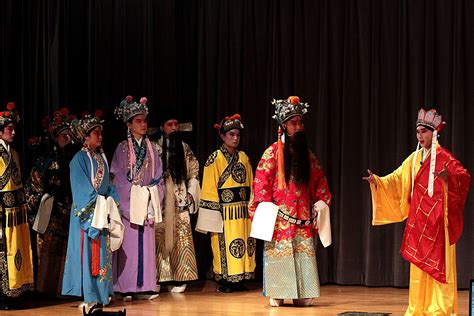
[
  {"x": 60, "y": 121},
  {"x": 129, "y": 108},
  {"x": 433, "y": 121},
  {"x": 287, "y": 108},
  {"x": 80, "y": 127},
  {"x": 228, "y": 123},
  {"x": 9, "y": 115}
]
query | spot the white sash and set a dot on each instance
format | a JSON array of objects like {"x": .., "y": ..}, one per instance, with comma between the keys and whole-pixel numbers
[
  {"x": 263, "y": 223},
  {"x": 44, "y": 213},
  {"x": 323, "y": 223},
  {"x": 107, "y": 209},
  {"x": 144, "y": 203}
]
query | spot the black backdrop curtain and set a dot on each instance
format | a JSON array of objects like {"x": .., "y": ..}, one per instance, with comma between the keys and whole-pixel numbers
[{"x": 365, "y": 67}]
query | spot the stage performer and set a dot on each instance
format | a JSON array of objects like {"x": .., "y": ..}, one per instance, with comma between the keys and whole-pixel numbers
[
  {"x": 429, "y": 189},
  {"x": 136, "y": 169},
  {"x": 223, "y": 209},
  {"x": 175, "y": 254},
  {"x": 48, "y": 193},
  {"x": 290, "y": 176},
  {"x": 16, "y": 264},
  {"x": 95, "y": 228}
]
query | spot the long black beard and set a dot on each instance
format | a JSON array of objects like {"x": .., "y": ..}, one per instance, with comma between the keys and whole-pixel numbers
[
  {"x": 297, "y": 165},
  {"x": 176, "y": 162}
]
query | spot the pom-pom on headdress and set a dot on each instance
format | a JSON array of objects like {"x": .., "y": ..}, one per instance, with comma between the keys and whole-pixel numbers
[
  {"x": 129, "y": 108},
  {"x": 60, "y": 121},
  {"x": 228, "y": 123},
  {"x": 80, "y": 127},
  {"x": 287, "y": 108},
  {"x": 126, "y": 111},
  {"x": 432, "y": 120},
  {"x": 9, "y": 115}
]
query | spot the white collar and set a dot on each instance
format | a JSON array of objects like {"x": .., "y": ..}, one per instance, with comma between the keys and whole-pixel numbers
[
  {"x": 139, "y": 141},
  {"x": 4, "y": 144},
  {"x": 425, "y": 153}
]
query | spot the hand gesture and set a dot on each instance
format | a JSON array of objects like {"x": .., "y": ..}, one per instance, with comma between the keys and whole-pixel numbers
[
  {"x": 370, "y": 178},
  {"x": 443, "y": 174}
]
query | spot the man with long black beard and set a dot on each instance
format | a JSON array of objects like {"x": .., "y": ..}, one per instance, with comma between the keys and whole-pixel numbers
[
  {"x": 290, "y": 176},
  {"x": 175, "y": 255}
]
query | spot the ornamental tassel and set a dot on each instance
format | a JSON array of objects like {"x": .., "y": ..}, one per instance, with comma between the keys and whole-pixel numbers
[
  {"x": 281, "y": 162},
  {"x": 413, "y": 168},
  {"x": 434, "y": 142},
  {"x": 131, "y": 153},
  {"x": 152, "y": 155},
  {"x": 95, "y": 262}
]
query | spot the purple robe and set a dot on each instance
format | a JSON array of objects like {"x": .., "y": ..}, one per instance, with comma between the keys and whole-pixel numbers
[{"x": 126, "y": 259}]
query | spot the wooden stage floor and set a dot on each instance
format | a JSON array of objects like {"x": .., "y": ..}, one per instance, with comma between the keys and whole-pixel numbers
[{"x": 202, "y": 299}]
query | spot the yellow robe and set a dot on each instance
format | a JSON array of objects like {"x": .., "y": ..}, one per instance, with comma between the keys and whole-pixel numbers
[
  {"x": 223, "y": 212},
  {"x": 391, "y": 203},
  {"x": 16, "y": 270}
]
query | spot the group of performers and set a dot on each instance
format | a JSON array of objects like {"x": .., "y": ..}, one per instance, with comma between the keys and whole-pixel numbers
[{"x": 126, "y": 228}]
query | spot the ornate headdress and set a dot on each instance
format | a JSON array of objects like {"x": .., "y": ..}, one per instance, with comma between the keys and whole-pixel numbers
[
  {"x": 9, "y": 115},
  {"x": 228, "y": 123},
  {"x": 61, "y": 120},
  {"x": 80, "y": 128},
  {"x": 129, "y": 108},
  {"x": 286, "y": 109},
  {"x": 433, "y": 121},
  {"x": 430, "y": 119}
]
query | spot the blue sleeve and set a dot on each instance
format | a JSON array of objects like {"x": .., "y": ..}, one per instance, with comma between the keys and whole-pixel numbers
[{"x": 83, "y": 194}]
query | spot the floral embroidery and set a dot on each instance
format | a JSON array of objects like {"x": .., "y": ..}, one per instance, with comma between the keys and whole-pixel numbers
[{"x": 295, "y": 201}]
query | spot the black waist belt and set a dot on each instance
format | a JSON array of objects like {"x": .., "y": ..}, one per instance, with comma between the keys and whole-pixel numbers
[{"x": 294, "y": 220}]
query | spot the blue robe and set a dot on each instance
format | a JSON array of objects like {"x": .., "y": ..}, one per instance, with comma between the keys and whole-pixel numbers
[{"x": 77, "y": 278}]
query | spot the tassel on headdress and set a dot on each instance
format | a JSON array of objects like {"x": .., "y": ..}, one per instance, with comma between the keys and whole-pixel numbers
[
  {"x": 432, "y": 120},
  {"x": 285, "y": 109},
  {"x": 126, "y": 111}
]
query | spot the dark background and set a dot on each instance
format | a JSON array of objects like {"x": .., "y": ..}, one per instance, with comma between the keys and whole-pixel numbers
[{"x": 365, "y": 67}]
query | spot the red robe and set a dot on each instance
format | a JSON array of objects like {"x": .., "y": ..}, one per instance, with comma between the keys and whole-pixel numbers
[
  {"x": 296, "y": 200},
  {"x": 423, "y": 241}
]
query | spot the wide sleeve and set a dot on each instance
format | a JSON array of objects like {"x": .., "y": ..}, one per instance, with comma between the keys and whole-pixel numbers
[
  {"x": 209, "y": 217},
  {"x": 458, "y": 187},
  {"x": 193, "y": 187},
  {"x": 319, "y": 184},
  {"x": 158, "y": 176},
  {"x": 121, "y": 186},
  {"x": 391, "y": 195},
  {"x": 262, "y": 189},
  {"x": 34, "y": 185},
  {"x": 83, "y": 194}
]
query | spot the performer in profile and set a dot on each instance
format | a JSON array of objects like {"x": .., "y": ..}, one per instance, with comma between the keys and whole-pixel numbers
[
  {"x": 48, "y": 193},
  {"x": 16, "y": 264},
  {"x": 429, "y": 190},
  {"x": 95, "y": 228}
]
